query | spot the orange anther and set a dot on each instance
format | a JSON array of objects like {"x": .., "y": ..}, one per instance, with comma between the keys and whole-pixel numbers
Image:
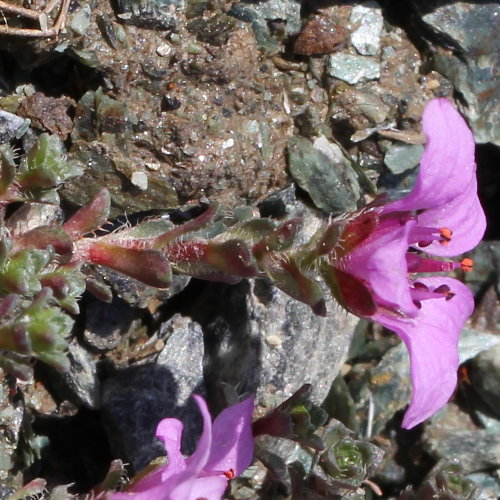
[
  {"x": 229, "y": 474},
  {"x": 466, "y": 264},
  {"x": 446, "y": 235}
]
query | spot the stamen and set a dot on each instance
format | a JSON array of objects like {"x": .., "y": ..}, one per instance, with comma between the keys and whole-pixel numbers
[
  {"x": 417, "y": 264},
  {"x": 420, "y": 292},
  {"x": 229, "y": 474},
  {"x": 444, "y": 290},
  {"x": 446, "y": 235},
  {"x": 424, "y": 236},
  {"x": 466, "y": 264}
]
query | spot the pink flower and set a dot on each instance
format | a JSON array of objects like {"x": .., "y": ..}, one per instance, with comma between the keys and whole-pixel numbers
[
  {"x": 381, "y": 248},
  {"x": 224, "y": 451}
]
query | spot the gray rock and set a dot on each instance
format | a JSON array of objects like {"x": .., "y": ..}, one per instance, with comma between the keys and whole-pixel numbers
[
  {"x": 353, "y": 69},
  {"x": 261, "y": 341},
  {"x": 11, "y": 126},
  {"x": 81, "y": 379},
  {"x": 484, "y": 373},
  {"x": 11, "y": 418},
  {"x": 402, "y": 157},
  {"x": 183, "y": 355},
  {"x": 366, "y": 38},
  {"x": 476, "y": 449},
  {"x": 321, "y": 169},
  {"x": 473, "y": 342},
  {"x": 473, "y": 69},
  {"x": 382, "y": 390}
]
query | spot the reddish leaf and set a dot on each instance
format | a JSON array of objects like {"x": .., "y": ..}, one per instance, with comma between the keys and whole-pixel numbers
[
  {"x": 43, "y": 236},
  {"x": 149, "y": 266},
  {"x": 90, "y": 217},
  {"x": 193, "y": 225}
]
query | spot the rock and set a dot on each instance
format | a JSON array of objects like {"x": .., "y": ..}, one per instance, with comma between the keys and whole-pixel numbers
[
  {"x": 137, "y": 398},
  {"x": 214, "y": 30},
  {"x": 81, "y": 379},
  {"x": 353, "y": 69},
  {"x": 321, "y": 169},
  {"x": 48, "y": 113},
  {"x": 277, "y": 368},
  {"x": 451, "y": 435},
  {"x": 366, "y": 38},
  {"x": 402, "y": 157},
  {"x": 321, "y": 34},
  {"x": 11, "y": 126},
  {"x": 484, "y": 372},
  {"x": 382, "y": 390},
  {"x": 262, "y": 14},
  {"x": 11, "y": 416},
  {"x": 138, "y": 294},
  {"x": 80, "y": 19},
  {"x": 183, "y": 355},
  {"x": 472, "y": 29},
  {"x": 106, "y": 323}
]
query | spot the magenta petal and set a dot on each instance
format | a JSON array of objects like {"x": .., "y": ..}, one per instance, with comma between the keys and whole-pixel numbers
[
  {"x": 232, "y": 440},
  {"x": 380, "y": 261},
  {"x": 447, "y": 166},
  {"x": 185, "y": 480},
  {"x": 431, "y": 339},
  {"x": 169, "y": 430},
  {"x": 464, "y": 216},
  {"x": 209, "y": 488}
]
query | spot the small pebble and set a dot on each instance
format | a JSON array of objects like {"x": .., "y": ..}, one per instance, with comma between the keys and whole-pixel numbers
[
  {"x": 273, "y": 341},
  {"x": 163, "y": 50},
  {"x": 140, "y": 180}
]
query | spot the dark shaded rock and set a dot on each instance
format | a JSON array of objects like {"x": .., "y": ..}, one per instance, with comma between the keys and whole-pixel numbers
[
  {"x": 106, "y": 323},
  {"x": 138, "y": 294},
  {"x": 170, "y": 103},
  {"x": 137, "y": 398}
]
